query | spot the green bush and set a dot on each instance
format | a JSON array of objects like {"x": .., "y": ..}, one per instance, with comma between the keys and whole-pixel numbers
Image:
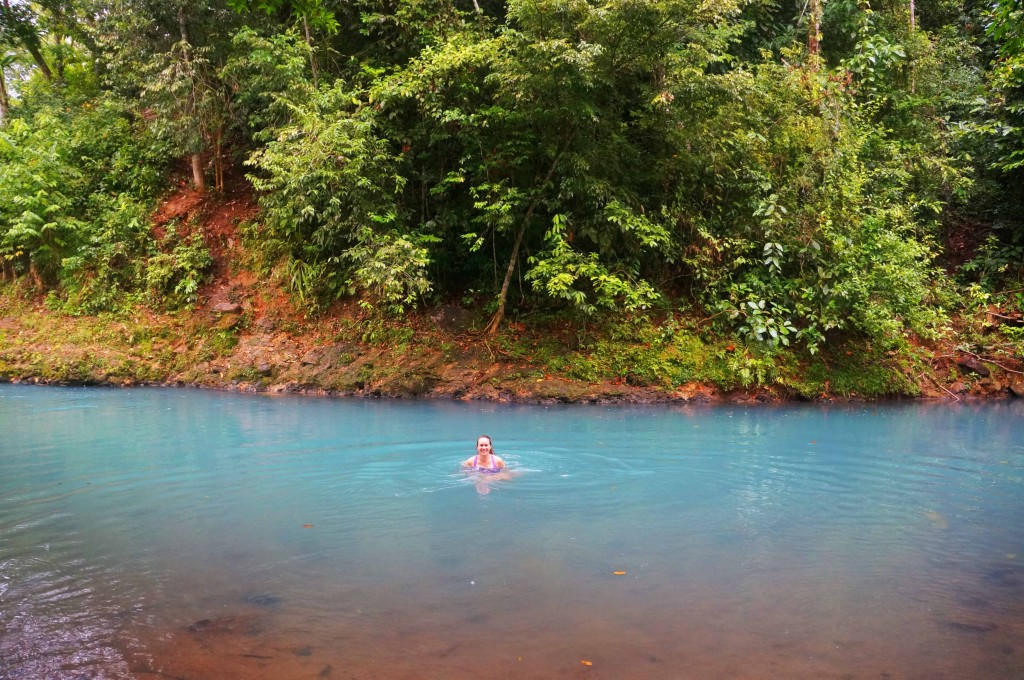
[
  {"x": 328, "y": 190},
  {"x": 807, "y": 238},
  {"x": 173, "y": 276},
  {"x": 74, "y": 192}
]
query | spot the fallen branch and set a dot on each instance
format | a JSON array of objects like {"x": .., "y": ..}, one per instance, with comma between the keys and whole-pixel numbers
[
  {"x": 940, "y": 386},
  {"x": 487, "y": 346},
  {"x": 979, "y": 357},
  {"x": 703, "y": 321}
]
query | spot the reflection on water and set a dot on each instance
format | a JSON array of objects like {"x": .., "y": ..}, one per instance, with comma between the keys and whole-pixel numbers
[{"x": 175, "y": 533}]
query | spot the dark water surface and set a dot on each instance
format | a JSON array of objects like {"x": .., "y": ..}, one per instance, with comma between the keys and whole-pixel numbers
[{"x": 176, "y": 533}]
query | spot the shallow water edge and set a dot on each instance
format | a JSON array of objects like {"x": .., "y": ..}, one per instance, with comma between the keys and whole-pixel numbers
[{"x": 543, "y": 391}]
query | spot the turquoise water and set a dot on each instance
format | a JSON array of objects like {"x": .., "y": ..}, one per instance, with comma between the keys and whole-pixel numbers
[{"x": 179, "y": 533}]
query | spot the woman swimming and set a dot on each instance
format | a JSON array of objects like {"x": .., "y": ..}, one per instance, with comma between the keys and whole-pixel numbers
[{"x": 485, "y": 460}]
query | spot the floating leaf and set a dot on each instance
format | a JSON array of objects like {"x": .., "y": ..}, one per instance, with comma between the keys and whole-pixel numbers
[
  {"x": 307, "y": 526},
  {"x": 619, "y": 573},
  {"x": 586, "y": 663}
]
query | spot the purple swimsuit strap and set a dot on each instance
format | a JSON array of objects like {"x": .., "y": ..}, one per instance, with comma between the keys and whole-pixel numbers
[{"x": 476, "y": 464}]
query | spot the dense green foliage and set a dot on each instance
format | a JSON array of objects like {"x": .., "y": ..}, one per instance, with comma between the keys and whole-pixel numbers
[{"x": 687, "y": 156}]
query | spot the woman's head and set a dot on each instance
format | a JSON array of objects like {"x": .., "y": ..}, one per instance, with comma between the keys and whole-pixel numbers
[{"x": 483, "y": 444}]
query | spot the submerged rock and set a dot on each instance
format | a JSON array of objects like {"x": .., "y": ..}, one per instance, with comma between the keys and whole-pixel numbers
[
  {"x": 243, "y": 624},
  {"x": 970, "y": 627},
  {"x": 263, "y": 600},
  {"x": 1008, "y": 576}
]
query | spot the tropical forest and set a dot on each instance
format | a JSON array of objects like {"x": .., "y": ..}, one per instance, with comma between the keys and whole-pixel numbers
[{"x": 547, "y": 200}]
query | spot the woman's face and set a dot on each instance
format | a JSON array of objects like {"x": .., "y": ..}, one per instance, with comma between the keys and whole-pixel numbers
[{"x": 483, "y": 445}]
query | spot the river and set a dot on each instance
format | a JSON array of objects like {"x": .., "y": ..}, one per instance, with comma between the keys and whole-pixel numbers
[{"x": 154, "y": 533}]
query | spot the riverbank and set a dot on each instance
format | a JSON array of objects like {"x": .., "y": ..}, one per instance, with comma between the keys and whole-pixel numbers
[
  {"x": 249, "y": 337},
  {"x": 245, "y": 333}
]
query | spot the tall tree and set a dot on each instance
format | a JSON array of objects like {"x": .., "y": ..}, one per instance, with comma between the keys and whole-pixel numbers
[
  {"x": 19, "y": 25},
  {"x": 170, "y": 55},
  {"x": 190, "y": 96}
]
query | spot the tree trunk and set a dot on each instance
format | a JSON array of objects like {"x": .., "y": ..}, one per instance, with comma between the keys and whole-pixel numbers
[
  {"x": 182, "y": 26},
  {"x": 814, "y": 32},
  {"x": 218, "y": 160},
  {"x": 59, "y": 56},
  {"x": 37, "y": 56},
  {"x": 5, "y": 106},
  {"x": 37, "y": 278},
  {"x": 499, "y": 315},
  {"x": 197, "y": 172},
  {"x": 312, "y": 57},
  {"x": 197, "y": 159},
  {"x": 913, "y": 27}
]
